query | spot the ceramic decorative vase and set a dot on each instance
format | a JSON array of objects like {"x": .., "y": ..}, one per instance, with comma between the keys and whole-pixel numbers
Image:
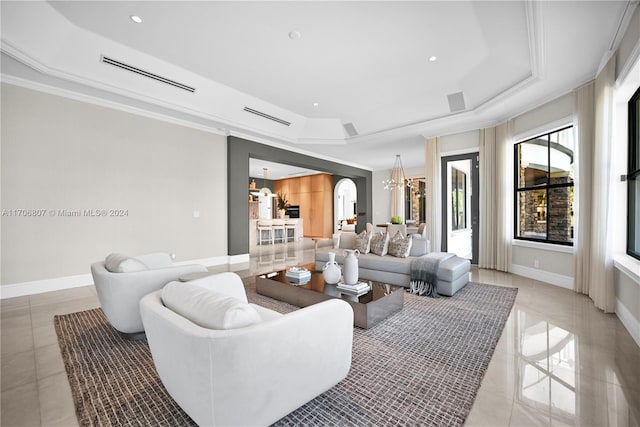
[
  {"x": 282, "y": 212},
  {"x": 351, "y": 266},
  {"x": 331, "y": 270}
]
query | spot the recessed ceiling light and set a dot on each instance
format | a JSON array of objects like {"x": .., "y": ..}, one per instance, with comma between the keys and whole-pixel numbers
[
  {"x": 136, "y": 19},
  {"x": 433, "y": 58},
  {"x": 315, "y": 104},
  {"x": 294, "y": 35}
]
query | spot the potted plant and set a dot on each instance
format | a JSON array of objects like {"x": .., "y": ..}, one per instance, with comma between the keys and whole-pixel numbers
[
  {"x": 282, "y": 203},
  {"x": 396, "y": 220}
]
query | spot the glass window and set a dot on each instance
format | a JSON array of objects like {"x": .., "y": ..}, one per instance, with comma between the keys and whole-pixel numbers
[
  {"x": 415, "y": 200},
  {"x": 458, "y": 199},
  {"x": 633, "y": 178},
  {"x": 544, "y": 188}
]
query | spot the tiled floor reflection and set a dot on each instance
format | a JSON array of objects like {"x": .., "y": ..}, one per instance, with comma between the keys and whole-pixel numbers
[
  {"x": 545, "y": 368},
  {"x": 559, "y": 362}
]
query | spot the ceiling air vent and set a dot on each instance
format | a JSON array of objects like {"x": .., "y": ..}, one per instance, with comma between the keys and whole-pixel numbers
[
  {"x": 266, "y": 116},
  {"x": 144, "y": 73},
  {"x": 350, "y": 129},
  {"x": 456, "y": 102}
]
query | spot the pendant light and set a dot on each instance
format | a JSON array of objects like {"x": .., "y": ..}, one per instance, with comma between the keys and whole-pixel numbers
[{"x": 264, "y": 191}]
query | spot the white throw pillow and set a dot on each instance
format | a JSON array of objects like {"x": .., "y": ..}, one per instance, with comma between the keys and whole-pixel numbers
[
  {"x": 120, "y": 263},
  {"x": 208, "y": 308},
  {"x": 347, "y": 240}
]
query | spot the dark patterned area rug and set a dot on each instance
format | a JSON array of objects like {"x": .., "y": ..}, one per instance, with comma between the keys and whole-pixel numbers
[{"x": 421, "y": 366}]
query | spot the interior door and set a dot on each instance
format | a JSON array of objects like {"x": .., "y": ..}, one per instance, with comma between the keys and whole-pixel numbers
[{"x": 460, "y": 205}]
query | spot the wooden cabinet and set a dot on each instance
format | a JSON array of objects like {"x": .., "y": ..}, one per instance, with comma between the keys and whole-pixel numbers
[
  {"x": 305, "y": 184},
  {"x": 305, "y": 212},
  {"x": 314, "y": 195}
]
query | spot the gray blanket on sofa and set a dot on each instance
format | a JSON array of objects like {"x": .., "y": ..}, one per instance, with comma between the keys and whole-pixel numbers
[{"x": 424, "y": 273}]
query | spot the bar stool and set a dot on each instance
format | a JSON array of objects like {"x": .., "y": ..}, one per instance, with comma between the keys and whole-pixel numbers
[
  {"x": 290, "y": 226},
  {"x": 278, "y": 225},
  {"x": 265, "y": 226}
]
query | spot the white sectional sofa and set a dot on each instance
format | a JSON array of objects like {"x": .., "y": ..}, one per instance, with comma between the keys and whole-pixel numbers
[{"x": 453, "y": 273}]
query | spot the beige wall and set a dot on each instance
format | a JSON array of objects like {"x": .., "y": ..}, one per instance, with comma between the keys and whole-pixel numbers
[
  {"x": 628, "y": 302},
  {"x": 457, "y": 143},
  {"x": 541, "y": 118},
  {"x": 548, "y": 260},
  {"x": 61, "y": 154}
]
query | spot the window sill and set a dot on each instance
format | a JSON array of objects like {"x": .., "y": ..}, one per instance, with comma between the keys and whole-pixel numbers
[
  {"x": 551, "y": 247},
  {"x": 628, "y": 265}
]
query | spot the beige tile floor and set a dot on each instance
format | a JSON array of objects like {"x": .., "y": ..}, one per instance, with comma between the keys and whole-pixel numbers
[{"x": 559, "y": 361}]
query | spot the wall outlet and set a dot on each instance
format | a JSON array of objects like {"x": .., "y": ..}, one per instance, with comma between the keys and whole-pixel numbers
[{"x": 536, "y": 264}]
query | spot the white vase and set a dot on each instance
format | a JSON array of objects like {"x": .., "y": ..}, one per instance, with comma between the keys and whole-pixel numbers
[
  {"x": 351, "y": 266},
  {"x": 331, "y": 270}
]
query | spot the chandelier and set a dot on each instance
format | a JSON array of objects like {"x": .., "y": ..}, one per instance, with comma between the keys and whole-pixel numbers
[{"x": 397, "y": 177}]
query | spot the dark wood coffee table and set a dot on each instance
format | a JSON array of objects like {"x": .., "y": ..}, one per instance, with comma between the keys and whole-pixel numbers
[{"x": 369, "y": 309}]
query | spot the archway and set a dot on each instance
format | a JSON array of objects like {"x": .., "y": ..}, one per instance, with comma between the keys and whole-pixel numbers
[{"x": 345, "y": 197}]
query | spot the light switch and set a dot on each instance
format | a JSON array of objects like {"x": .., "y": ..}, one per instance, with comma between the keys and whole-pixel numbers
[{"x": 196, "y": 214}]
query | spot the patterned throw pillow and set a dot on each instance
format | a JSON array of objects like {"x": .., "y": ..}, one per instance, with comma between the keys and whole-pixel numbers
[
  {"x": 380, "y": 244},
  {"x": 400, "y": 246},
  {"x": 363, "y": 242}
]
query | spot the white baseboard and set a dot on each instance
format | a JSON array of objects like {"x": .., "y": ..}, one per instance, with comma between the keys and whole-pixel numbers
[
  {"x": 544, "y": 276},
  {"x": 628, "y": 320},
  {"x": 238, "y": 259},
  {"x": 47, "y": 285}
]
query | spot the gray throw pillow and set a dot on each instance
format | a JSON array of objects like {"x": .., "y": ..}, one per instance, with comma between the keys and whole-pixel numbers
[
  {"x": 380, "y": 244},
  {"x": 363, "y": 242},
  {"x": 400, "y": 245}
]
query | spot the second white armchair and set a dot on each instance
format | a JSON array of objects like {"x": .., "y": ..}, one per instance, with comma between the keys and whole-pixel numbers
[{"x": 121, "y": 281}]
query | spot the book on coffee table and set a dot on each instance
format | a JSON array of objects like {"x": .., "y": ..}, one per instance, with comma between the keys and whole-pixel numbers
[
  {"x": 298, "y": 274},
  {"x": 359, "y": 288}
]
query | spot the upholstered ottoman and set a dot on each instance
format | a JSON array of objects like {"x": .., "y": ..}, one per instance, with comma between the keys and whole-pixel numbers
[{"x": 453, "y": 275}]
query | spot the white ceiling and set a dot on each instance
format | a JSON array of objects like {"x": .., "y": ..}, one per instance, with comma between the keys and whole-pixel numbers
[
  {"x": 276, "y": 170},
  {"x": 364, "y": 63}
]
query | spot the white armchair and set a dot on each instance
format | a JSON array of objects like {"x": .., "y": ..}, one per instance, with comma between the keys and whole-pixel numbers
[
  {"x": 422, "y": 232},
  {"x": 122, "y": 281},
  {"x": 253, "y": 373},
  {"x": 392, "y": 229}
]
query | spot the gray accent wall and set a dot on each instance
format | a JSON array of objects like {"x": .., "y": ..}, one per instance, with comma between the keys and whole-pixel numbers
[
  {"x": 240, "y": 150},
  {"x": 64, "y": 155}
]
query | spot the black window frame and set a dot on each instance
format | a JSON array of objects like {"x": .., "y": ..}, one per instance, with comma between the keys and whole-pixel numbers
[
  {"x": 633, "y": 173},
  {"x": 546, "y": 187}
]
